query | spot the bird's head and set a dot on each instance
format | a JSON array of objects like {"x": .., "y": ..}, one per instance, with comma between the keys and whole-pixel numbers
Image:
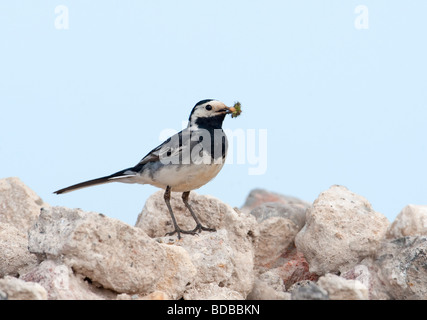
[{"x": 208, "y": 114}]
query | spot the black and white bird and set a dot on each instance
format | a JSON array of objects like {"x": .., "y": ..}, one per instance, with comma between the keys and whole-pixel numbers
[{"x": 184, "y": 162}]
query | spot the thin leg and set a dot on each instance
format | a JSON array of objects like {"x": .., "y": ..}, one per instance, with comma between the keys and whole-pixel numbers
[
  {"x": 199, "y": 226},
  {"x": 167, "y": 197},
  {"x": 177, "y": 229}
]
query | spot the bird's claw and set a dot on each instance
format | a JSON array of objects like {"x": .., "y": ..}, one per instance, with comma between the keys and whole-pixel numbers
[{"x": 198, "y": 229}]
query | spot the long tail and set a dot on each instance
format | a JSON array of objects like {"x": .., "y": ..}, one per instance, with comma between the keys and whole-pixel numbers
[{"x": 107, "y": 179}]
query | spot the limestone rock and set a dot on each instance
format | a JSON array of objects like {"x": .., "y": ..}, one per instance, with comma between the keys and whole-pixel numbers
[
  {"x": 210, "y": 291},
  {"x": 276, "y": 234},
  {"x": 367, "y": 273},
  {"x": 341, "y": 230},
  {"x": 61, "y": 283},
  {"x": 269, "y": 286},
  {"x": 156, "y": 295},
  {"x": 403, "y": 266},
  {"x": 19, "y": 208},
  {"x": 294, "y": 268},
  {"x": 257, "y": 197},
  {"x": 14, "y": 255},
  {"x": 307, "y": 290},
  {"x": 179, "y": 273},
  {"x": 108, "y": 252},
  {"x": 411, "y": 221},
  {"x": 19, "y": 205},
  {"x": 339, "y": 288},
  {"x": 233, "y": 241},
  {"x": 278, "y": 226},
  {"x": 155, "y": 219},
  {"x": 212, "y": 255},
  {"x": 17, "y": 289},
  {"x": 294, "y": 213}
]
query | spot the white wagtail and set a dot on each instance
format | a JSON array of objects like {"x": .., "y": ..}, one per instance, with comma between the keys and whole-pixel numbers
[{"x": 184, "y": 162}]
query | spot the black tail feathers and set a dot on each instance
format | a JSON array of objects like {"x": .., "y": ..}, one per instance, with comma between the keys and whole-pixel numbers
[{"x": 107, "y": 179}]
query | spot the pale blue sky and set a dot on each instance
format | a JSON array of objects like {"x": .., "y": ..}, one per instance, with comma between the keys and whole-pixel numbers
[{"x": 340, "y": 105}]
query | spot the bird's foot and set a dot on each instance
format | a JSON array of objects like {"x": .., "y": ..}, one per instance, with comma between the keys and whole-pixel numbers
[
  {"x": 198, "y": 229},
  {"x": 177, "y": 230}
]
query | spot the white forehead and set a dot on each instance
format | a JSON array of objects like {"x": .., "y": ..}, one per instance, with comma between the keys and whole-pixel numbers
[
  {"x": 201, "y": 111},
  {"x": 216, "y": 104}
]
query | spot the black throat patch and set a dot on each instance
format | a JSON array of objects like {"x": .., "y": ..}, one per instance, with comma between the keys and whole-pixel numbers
[{"x": 210, "y": 123}]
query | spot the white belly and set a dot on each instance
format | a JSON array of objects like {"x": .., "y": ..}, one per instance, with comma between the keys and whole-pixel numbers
[{"x": 180, "y": 178}]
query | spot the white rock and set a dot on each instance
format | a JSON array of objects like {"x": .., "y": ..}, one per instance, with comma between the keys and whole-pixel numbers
[
  {"x": 269, "y": 286},
  {"x": 233, "y": 241},
  {"x": 156, "y": 295},
  {"x": 257, "y": 197},
  {"x": 210, "y": 291},
  {"x": 61, "y": 283},
  {"x": 19, "y": 205},
  {"x": 155, "y": 219},
  {"x": 14, "y": 255},
  {"x": 262, "y": 291},
  {"x": 293, "y": 212},
  {"x": 411, "y": 221},
  {"x": 212, "y": 255},
  {"x": 108, "y": 251},
  {"x": 367, "y": 272},
  {"x": 359, "y": 272},
  {"x": 339, "y": 288},
  {"x": 341, "y": 229},
  {"x": 402, "y": 264},
  {"x": 19, "y": 209},
  {"x": 17, "y": 289},
  {"x": 179, "y": 273},
  {"x": 275, "y": 235}
]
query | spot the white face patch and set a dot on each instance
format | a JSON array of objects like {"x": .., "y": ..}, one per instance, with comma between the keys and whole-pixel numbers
[{"x": 206, "y": 110}]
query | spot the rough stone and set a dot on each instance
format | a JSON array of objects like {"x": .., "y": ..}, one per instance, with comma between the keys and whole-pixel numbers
[
  {"x": 275, "y": 235},
  {"x": 212, "y": 255},
  {"x": 403, "y": 267},
  {"x": 156, "y": 295},
  {"x": 235, "y": 235},
  {"x": 294, "y": 268},
  {"x": 269, "y": 286},
  {"x": 367, "y": 273},
  {"x": 411, "y": 221},
  {"x": 14, "y": 255},
  {"x": 278, "y": 225},
  {"x": 294, "y": 213},
  {"x": 258, "y": 197},
  {"x": 108, "y": 252},
  {"x": 339, "y": 288},
  {"x": 179, "y": 273},
  {"x": 341, "y": 230},
  {"x": 155, "y": 219},
  {"x": 17, "y": 289},
  {"x": 275, "y": 243},
  {"x": 211, "y": 291},
  {"x": 61, "y": 283},
  {"x": 307, "y": 290},
  {"x": 19, "y": 205}
]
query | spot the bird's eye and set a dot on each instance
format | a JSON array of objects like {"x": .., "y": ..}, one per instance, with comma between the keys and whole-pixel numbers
[{"x": 209, "y": 107}]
